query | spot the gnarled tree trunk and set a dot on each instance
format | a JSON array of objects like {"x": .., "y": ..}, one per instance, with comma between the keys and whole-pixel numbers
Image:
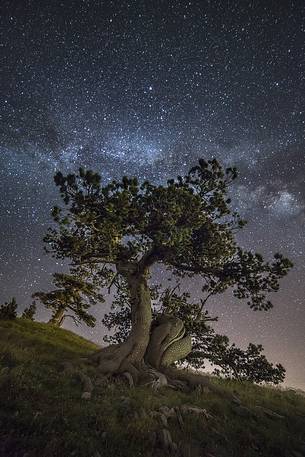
[
  {"x": 129, "y": 356},
  {"x": 141, "y": 316},
  {"x": 147, "y": 350}
]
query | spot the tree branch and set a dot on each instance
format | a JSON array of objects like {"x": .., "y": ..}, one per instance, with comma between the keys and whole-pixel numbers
[
  {"x": 112, "y": 281},
  {"x": 152, "y": 256},
  {"x": 73, "y": 318},
  {"x": 93, "y": 261}
]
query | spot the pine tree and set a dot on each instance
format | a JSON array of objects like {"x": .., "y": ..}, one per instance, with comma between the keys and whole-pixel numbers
[
  {"x": 121, "y": 230},
  {"x": 73, "y": 296}
]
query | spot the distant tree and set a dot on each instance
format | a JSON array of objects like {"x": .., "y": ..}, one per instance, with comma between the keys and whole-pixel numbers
[
  {"x": 29, "y": 312},
  {"x": 73, "y": 296},
  {"x": 8, "y": 311},
  {"x": 250, "y": 365},
  {"x": 123, "y": 229}
]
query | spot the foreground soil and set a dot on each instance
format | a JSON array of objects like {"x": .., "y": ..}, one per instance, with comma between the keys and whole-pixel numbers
[{"x": 42, "y": 412}]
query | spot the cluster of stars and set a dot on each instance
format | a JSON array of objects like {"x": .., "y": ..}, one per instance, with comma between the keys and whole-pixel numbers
[{"x": 146, "y": 88}]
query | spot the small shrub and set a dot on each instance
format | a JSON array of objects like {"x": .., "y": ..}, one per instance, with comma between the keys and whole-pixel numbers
[
  {"x": 8, "y": 311},
  {"x": 29, "y": 312}
]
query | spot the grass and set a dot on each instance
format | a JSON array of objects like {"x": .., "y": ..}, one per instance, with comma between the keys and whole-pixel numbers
[{"x": 42, "y": 413}]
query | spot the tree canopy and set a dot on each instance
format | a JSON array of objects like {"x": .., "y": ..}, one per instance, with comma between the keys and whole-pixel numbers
[
  {"x": 187, "y": 225},
  {"x": 116, "y": 232}
]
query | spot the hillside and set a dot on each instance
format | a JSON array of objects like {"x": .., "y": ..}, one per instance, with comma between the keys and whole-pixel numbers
[{"x": 42, "y": 412}]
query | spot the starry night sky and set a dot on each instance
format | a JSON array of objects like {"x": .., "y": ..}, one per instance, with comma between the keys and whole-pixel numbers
[{"x": 145, "y": 88}]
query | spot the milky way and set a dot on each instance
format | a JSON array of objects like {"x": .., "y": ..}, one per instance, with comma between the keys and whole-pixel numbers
[{"x": 145, "y": 88}]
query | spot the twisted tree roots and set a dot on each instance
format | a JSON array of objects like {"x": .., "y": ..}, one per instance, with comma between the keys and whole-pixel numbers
[{"x": 154, "y": 366}]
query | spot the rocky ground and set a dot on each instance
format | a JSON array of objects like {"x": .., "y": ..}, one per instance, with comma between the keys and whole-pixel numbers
[{"x": 43, "y": 411}]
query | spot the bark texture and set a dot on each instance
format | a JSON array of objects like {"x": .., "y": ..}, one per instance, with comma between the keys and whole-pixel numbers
[
  {"x": 168, "y": 342},
  {"x": 57, "y": 317},
  {"x": 148, "y": 348},
  {"x": 129, "y": 356}
]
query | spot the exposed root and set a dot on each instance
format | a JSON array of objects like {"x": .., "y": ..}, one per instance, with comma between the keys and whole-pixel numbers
[
  {"x": 129, "y": 378},
  {"x": 143, "y": 362},
  {"x": 133, "y": 371},
  {"x": 109, "y": 359},
  {"x": 193, "y": 380},
  {"x": 177, "y": 384},
  {"x": 158, "y": 379},
  {"x": 123, "y": 360},
  {"x": 145, "y": 375}
]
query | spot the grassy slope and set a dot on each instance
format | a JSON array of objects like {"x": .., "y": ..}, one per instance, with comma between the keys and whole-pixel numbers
[{"x": 42, "y": 414}]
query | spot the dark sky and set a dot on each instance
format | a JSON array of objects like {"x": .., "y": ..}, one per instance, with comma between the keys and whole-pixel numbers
[{"x": 145, "y": 88}]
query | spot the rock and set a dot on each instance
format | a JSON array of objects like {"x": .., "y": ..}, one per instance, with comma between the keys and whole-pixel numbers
[
  {"x": 186, "y": 409},
  {"x": 163, "y": 420},
  {"x": 160, "y": 417},
  {"x": 86, "y": 395},
  {"x": 168, "y": 412}
]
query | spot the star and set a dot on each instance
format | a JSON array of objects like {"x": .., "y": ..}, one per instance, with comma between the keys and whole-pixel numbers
[{"x": 129, "y": 90}]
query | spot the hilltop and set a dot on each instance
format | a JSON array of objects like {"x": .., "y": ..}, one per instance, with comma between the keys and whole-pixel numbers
[{"x": 42, "y": 412}]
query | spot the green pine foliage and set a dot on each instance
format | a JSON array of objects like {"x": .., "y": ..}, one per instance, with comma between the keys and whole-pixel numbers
[
  {"x": 29, "y": 312},
  {"x": 186, "y": 226},
  {"x": 74, "y": 294}
]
